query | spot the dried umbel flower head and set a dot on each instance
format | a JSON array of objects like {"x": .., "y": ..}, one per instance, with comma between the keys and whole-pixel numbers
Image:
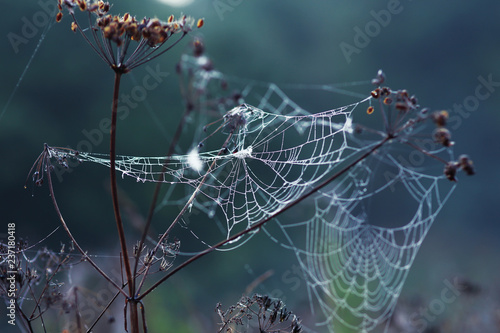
[
  {"x": 112, "y": 35},
  {"x": 405, "y": 122},
  {"x": 269, "y": 314}
]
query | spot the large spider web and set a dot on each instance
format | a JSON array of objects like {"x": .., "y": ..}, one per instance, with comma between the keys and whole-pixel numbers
[
  {"x": 266, "y": 152},
  {"x": 355, "y": 270},
  {"x": 260, "y": 171}
]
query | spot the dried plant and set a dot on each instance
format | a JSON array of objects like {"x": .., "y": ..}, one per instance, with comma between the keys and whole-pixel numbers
[
  {"x": 33, "y": 281},
  {"x": 124, "y": 43},
  {"x": 266, "y": 314}
]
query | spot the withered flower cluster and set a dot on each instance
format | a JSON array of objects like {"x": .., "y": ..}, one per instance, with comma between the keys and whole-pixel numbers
[
  {"x": 401, "y": 113},
  {"x": 31, "y": 279},
  {"x": 270, "y": 314},
  {"x": 108, "y": 32},
  {"x": 464, "y": 163},
  {"x": 443, "y": 136},
  {"x": 203, "y": 87}
]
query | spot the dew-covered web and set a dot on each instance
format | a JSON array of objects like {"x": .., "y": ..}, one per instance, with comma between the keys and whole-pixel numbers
[
  {"x": 355, "y": 268},
  {"x": 363, "y": 169},
  {"x": 260, "y": 170}
]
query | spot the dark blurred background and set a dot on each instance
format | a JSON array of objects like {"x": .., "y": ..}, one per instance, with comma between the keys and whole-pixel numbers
[{"x": 436, "y": 50}]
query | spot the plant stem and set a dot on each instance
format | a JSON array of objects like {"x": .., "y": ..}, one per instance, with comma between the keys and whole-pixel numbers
[
  {"x": 259, "y": 224},
  {"x": 70, "y": 235},
  {"x": 183, "y": 210},
  {"x": 156, "y": 193},
  {"x": 134, "y": 318}
]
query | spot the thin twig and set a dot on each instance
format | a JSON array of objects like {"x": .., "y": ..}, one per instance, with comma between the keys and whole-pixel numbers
[
  {"x": 135, "y": 63},
  {"x": 103, "y": 312},
  {"x": 143, "y": 313},
  {"x": 70, "y": 235},
  {"x": 185, "y": 208},
  {"x": 161, "y": 178},
  {"x": 77, "y": 313}
]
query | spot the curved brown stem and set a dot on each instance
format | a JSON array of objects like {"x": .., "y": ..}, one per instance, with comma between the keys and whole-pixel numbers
[
  {"x": 70, "y": 235},
  {"x": 134, "y": 319},
  {"x": 114, "y": 191}
]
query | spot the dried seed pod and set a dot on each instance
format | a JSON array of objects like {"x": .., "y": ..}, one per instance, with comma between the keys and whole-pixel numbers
[
  {"x": 440, "y": 118},
  {"x": 402, "y": 106},
  {"x": 424, "y": 113},
  {"x": 198, "y": 48},
  {"x": 450, "y": 170},
  {"x": 466, "y": 164},
  {"x": 414, "y": 100},
  {"x": 376, "y": 93},
  {"x": 443, "y": 136},
  {"x": 385, "y": 91},
  {"x": 82, "y": 4}
]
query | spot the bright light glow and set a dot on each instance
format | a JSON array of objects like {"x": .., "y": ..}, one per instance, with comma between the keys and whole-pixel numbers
[
  {"x": 176, "y": 3},
  {"x": 194, "y": 160}
]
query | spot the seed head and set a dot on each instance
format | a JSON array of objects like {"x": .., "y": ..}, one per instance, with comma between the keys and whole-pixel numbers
[
  {"x": 466, "y": 164},
  {"x": 450, "y": 170},
  {"x": 443, "y": 136},
  {"x": 111, "y": 35},
  {"x": 440, "y": 118}
]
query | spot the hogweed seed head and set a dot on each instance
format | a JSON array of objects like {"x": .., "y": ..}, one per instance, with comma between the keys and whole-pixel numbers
[
  {"x": 404, "y": 121},
  {"x": 112, "y": 35}
]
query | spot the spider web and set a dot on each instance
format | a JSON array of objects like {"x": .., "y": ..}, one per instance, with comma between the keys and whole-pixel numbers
[
  {"x": 267, "y": 152},
  {"x": 355, "y": 270},
  {"x": 260, "y": 171}
]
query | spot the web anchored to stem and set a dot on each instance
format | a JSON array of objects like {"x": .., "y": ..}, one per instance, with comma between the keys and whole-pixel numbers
[{"x": 272, "y": 156}]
